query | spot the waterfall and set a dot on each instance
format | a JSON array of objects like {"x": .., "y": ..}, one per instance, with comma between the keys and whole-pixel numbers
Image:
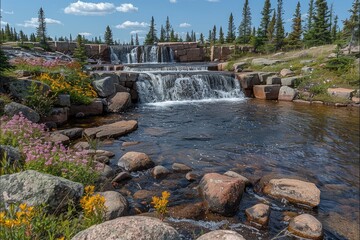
[
  {"x": 141, "y": 54},
  {"x": 166, "y": 67},
  {"x": 160, "y": 87}
]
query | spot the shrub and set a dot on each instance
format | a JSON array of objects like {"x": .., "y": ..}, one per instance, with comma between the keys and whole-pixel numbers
[
  {"x": 93, "y": 206},
  {"x": 40, "y": 101},
  {"x": 160, "y": 204},
  {"x": 341, "y": 64}
]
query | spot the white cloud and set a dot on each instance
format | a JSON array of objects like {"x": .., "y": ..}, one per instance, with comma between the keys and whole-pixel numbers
[
  {"x": 90, "y": 9},
  {"x": 213, "y": 0},
  {"x": 184, "y": 25},
  {"x": 85, "y": 34},
  {"x": 137, "y": 32},
  {"x": 3, "y": 23},
  {"x": 6, "y": 12},
  {"x": 33, "y": 22},
  {"x": 129, "y": 24},
  {"x": 127, "y": 7},
  {"x": 173, "y": 1}
]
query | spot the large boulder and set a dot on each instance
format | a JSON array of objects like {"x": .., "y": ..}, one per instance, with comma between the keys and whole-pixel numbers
[
  {"x": 116, "y": 205},
  {"x": 268, "y": 92},
  {"x": 344, "y": 93},
  {"x": 293, "y": 190},
  {"x": 57, "y": 115},
  {"x": 273, "y": 80},
  {"x": 290, "y": 81},
  {"x": 221, "y": 194},
  {"x": 286, "y": 72},
  {"x": 104, "y": 87},
  {"x": 14, "y": 108},
  {"x": 12, "y": 154},
  {"x": 286, "y": 93},
  {"x": 112, "y": 130},
  {"x": 20, "y": 88},
  {"x": 96, "y": 107},
  {"x": 119, "y": 102},
  {"x": 306, "y": 226},
  {"x": 264, "y": 62},
  {"x": 135, "y": 161},
  {"x": 221, "y": 235},
  {"x": 130, "y": 228},
  {"x": 34, "y": 188}
]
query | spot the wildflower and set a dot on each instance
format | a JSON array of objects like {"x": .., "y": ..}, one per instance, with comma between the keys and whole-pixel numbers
[{"x": 160, "y": 204}]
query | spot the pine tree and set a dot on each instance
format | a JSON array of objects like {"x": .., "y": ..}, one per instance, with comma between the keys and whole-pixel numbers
[
  {"x": 41, "y": 29},
  {"x": 265, "y": 19},
  {"x": 167, "y": 29},
  {"x": 7, "y": 32},
  {"x": 202, "y": 40},
  {"x": 132, "y": 40},
  {"x": 79, "y": 52},
  {"x": 213, "y": 35},
  {"x": 221, "y": 36},
  {"x": 334, "y": 30},
  {"x": 351, "y": 29},
  {"x": 4, "y": 64},
  {"x": 22, "y": 36},
  {"x": 294, "y": 40},
  {"x": 162, "y": 34},
  {"x": 108, "y": 36},
  {"x": 310, "y": 15},
  {"x": 137, "y": 40},
  {"x": 173, "y": 37},
  {"x": 320, "y": 29},
  {"x": 279, "y": 27},
  {"x": 245, "y": 25},
  {"x": 193, "y": 36},
  {"x": 187, "y": 38},
  {"x": 271, "y": 28},
  {"x": 32, "y": 37},
  {"x": 210, "y": 37},
  {"x": 230, "y": 37},
  {"x": 151, "y": 37}
]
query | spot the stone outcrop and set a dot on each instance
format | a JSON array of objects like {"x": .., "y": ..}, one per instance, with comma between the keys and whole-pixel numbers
[
  {"x": 72, "y": 133},
  {"x": 221, "y": 194},
  {"x": 20, "y": 88},
  {"x": 135, "y": 161},
  {"x": 94, "y": 108},
  {"x": 57, "y": 115},
  {"x": 266, "y": 92},
  {"x": 116, "y": 205},
  {"x": 119, "y": 102},
  {"x": 286, "y": 93},
  {"x": 264, "y": 61},
  {"x": 273, "y": 80},
  {"x": 306, "y": 226},
  {"x": 344, "y": 93},
  {"x": 289, "y": 81},
  {"x": 286, "y": 72},
  {"x": 63, "y": 100},
  {"x": 221, "y": 235},
  {"x": 112, "y": 130},
  {"x": 293, "y": 190},
  {"x": 14, "y": 108},
  {"x": 258, "y": 214},
  {"x": 104, "y": 87},
  {"x": 130, "y": 228},
  {"x": 34, "y": 188}
]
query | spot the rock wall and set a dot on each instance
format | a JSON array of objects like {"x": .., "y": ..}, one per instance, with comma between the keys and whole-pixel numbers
[
  {"x": 223, "y": 53},
  {"x": 186, "y": 51},
  {"x": 97, "y": 51}
]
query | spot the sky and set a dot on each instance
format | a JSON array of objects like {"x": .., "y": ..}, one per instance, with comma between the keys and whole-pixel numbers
[{"x": 127, "y": 17}]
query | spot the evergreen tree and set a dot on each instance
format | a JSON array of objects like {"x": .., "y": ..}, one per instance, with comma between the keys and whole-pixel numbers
[
  {"x": 22, "y": 36},
  {"x": 7, "y": 32},
  {"x": 32, "y": 37},
  {"x": 187, "y": 38},
  {"x": 79, "y": 52},
  {"x": 193, "y": 36},
  {"x": 41, "y": 29},
  {"x": 151, "y": 37},
  {"x": 265, "y": 19},
  {"x": 202, "y": 40},
  {"x": 108, "y": 36},
  {"x": 162, "y": 34},
  {"x": 137, "y": 40},
  {"x": 351, "y": 30},
  {"x": 213, "y": 35},
  {"x": 310, "y": 15},
  {"x": 70, "y": 39},
  {"x": 320, "y": 33},
  {"x": 334, "y": 30},
  {"x": 210, "y": 37},
  {"x": 132, "y": 40},
  {"x": 221, "y": 36},
  {"x": 167, "y": 29},
  {"x": 294, "y": 40},
  {"x": 173, "y": 37},
  {"x": 4, "y": 64},
  {"x": 279, "y": 27},
  {"x": 245, "y": 25},
  {"x": 230, "y": 37}
]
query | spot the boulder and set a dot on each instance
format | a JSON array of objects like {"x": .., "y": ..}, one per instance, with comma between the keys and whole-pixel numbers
[
  {"x": 116, "y": 205},
  {"x": 286, "y": 73},
  {"x": 106, "y": 171},
  {"x": 306, "y": 226},
  {"x": 94, "y": 108},
  {"x": 187, "y": 211},
  {"x": 135, "y": 161},
  {"x": 290, "y": 81},
  {"x": 239, "y": 66},
  {"x": 20, "y": 88},
  {"x": 307, "y": 69},
  {"x": 12, "y": 154},
  {"x": 100, "y": 152},
  {"x": 112, "y": 130},
  {"x": 221, "y": 235},
  {"x": 34, "y": 188},
  {"x": 191, "y": 177},
  {"x": 121, "y": 177},
  {"x": 57, "y": 115},
  {"x": 286, "y": 93},
  {"x": 258, "y": 214},
  {"x": 221, "y": 194},
  {"x": 273, "y": 80},
  {"x": 144, "y": 194},
  {"x": 293, "y": 190},
  {"x": 130, "y": 228},
  {"x": 14, "y": 108},
  {"x": 63, "y": 100},
  {"x": 104, "y": 87},
  {"x": 341, "y": 92},
  {"x": 265, "y": 75},
  {"x": 59, "y": 138},
  {"x": 160, "y": 171},
  {"x": 72, "y": 133},
  {"x": 248, "y": 80},
  {"x": 82, "y": 145},
  {"x": 119, "y": 102},
  {"x": 179, "y": 167},
  {"x": 264, "y": 61},
  {"x": 236, "y": 175},
  {"x": 268, "y": 92}
]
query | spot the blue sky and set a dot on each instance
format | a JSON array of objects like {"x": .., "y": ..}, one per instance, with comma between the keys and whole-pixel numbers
[{"x": 90, "y": 17}]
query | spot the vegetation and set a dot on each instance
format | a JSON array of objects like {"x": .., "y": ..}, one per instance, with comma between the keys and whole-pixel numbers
[
  {"x": 108, "y": 36},
  {"x": 80, "y": 53},
  {"x": 41, "y": 30},
  {"x": 245, "y": 25},
  {"x": 160, "y": 204},
  {"x": 39, "y": 100},
  {"x": 151, "y": 37}
]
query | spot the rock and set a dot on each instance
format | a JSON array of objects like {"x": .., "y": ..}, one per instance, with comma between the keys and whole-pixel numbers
[
  {"x": 120, "y": 88},
  {"x": 286, "y": 72},
  {"x": 355, "y": 99},
  {"x": 104, "y": 87},
  {"x": 159, "y": 172},
  {"x": 191, "y": 177},
  {"x": 221, "y": 194},
  {"x": 128, "y": 144},
  {"x": 290, "y": 81},
  {"x": 268, "y": 92},
  {"x": 59, "y": 138},
  {"x": 286, "y": 93},
  {"x": 248, "y": 80},
  {"x": 278, "y": 54},
  {"x": 301, "y": 101},
  {"x": 63, "y": 100},
  {"x": 221, "y": 235},
  {"x": 20, "y": 88},
  {"x": 94, "y": 108},
  {"x": 306, "y": 226},
  {"x": 112, "y": 130},
  {"x": 135, "y": 161},
  {"x": 293, "y": 190},
  {"x": 187, "y": 211},
  {"x": 121, "y": 177},
  {"x": 130, "y": 228},
  {"x": 100, "y": 152},
  {"x": 258, "y": 214},
  {"x": 72, "y": 133},
  {"x": 344, "y": 93},
  {"x": 332, "y": 55},
  {"x": 273, "y": 80},
  {"x": 340, "y": 105},
  {"x": 264, "y": 76},
  {"x": 144, "y": 194},
  {"x": 34, "y": 188},
  {"x": 236, "y": 175},
  {"x": 179, "y": 167},
  {"x": 119, "y": 102},
  {"x": 82, "y": 145},
  {"x": 307, "y": 69},
  {"x": 14, "y": 108},
  {"x": 102, "y": 159},
  {"x": 12, "y": 154},
  {"x": 116, "y": 205},
  {"x": 317, "y": 102},
  {"x": 56, "y": 115},
  {"x": 306, "y": 61},
  {"x": 342, "y": 225},
  {"x": 238, "y": 67},
  {"x": 264, "y": 62},
  {"x": 106, "y": 171}
]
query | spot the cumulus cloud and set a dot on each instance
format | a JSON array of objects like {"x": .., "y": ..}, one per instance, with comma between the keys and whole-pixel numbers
[
  {"x": 173, "y": 1},
  {"x": 90, "y": 9},
  {"x": 3, "y": 23},
  {"x": 127, "y": 7},
  {"x": 185, "y": 25},
  {"x": 137, "y": 31},
  {"x": 85, "y": 34},
  {"x": 6, "y": 12},
  {"x": 33, "y": 22},
  {"x": 130, "y": 24}
]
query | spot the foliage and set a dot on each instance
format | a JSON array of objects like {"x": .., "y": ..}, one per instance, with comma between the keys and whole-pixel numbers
[
  {"x": 4, "y": 63},
  {"x": 151, "y": 37},
  {"x": 108, "y": 36},
  {"x": 40, "y": 101},
  {"x": 160, "y": 204},
  {"x": 79, "y": 52},
  {"x": 339, "y": 64},
  {"x": 230, "y": 37},
  {"x": 279, "y": 26},
  {"x": 93, "y": 206},
  {"x": 245, "y": 25},
  {"x": 295, "y": 35},
  {"x": 41, "y": 29},
  {"x": 8, "y": 167}
]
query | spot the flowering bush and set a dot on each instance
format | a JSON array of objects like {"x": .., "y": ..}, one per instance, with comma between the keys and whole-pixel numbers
[
  {"x": 160, "y": 204},
  {"x": 93, "y": 206}
]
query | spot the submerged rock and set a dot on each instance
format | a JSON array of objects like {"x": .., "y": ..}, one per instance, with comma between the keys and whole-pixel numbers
[
  {"x": 112, "y": 130},
  {"x": 130, "y": 228},
  {"x": 135, "y": 161},
  {"x": 258, "y": 214},
  {"x": 236, "y": 175},
  {"x": 121, "y": 177},
  {"x": 179, "y": 167},
  {"x": 221, "y": 235},
  {"x": 306, "y": 226},
  {"x": 159, "y": 172}
]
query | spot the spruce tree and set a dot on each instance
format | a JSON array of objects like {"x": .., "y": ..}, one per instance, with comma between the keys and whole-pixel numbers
[
  {"x": 187, "y": 38},
  {"x": 351, "y": 29},
  {"x": 265, "y": 19},
  {"x": 4, "y": 64},
  {"x": 193, "y": 36},
  {"x": 221, "y": 36},
  {"x": 334, "y": 32},
  {"x": 132, "y": 40},
  {"x": 271, "y": 28},
  {"x": 173, "y": 37},
  {"x": 279, "y": 27},
  {"x": 137, "y": 40},
  {"x": 210, "y": 37},
  {"x": 294, "y": 40},
  {"x": 202, "y": 40},
  {"x": 167, "y": 29},
  {"x": 213, "y": 35},
  {"x": 108, "y": 36},
  {"x": 320, "y": 30},
  {"x": 151, "y": 37},
  {"x": 79, "y": 52},
  {"x": 230, "y": 37},
  {"x": 162, "y": 34},
  {"x": 245, "y": 25},
  {"x": 41, "y": 29}
]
